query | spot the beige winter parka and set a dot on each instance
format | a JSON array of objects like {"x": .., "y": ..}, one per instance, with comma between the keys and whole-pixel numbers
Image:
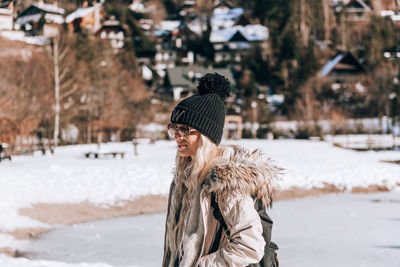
[{"x": 238, "y": 180}]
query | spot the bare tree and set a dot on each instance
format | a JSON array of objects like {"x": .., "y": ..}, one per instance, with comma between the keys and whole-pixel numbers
[
  {"x": 381, "y": 87},
  {"x": 26, "y": 95},
  {"x": 204, "y": 9}
]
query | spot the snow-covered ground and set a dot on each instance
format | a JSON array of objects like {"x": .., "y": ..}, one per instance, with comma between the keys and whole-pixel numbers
[
  {"x": 365, "y": 141},
  {"x": 69, "y": 177}
]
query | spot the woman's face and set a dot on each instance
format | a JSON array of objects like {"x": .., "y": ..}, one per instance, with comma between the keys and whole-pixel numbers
[{"x": 187, "y": 145}]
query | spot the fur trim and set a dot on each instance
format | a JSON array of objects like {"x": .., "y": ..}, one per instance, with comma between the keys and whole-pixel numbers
[{"x": 244, "y": 171}]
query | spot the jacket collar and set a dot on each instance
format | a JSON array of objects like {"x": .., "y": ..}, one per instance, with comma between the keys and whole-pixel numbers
[{"x": 244, "y": 171}]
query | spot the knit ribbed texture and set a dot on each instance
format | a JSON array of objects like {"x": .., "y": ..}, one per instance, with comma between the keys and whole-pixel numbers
[{"x": 205, "y": 113}]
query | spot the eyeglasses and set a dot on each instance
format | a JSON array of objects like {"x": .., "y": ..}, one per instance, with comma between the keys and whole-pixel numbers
[{"x": 183, "y": 130}]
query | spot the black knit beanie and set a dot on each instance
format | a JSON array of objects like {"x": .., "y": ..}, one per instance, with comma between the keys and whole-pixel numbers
[{"x": 205, "y": 111}]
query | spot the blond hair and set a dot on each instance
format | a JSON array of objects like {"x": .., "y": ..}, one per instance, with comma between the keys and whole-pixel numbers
[{"x": 190, "y": 172}]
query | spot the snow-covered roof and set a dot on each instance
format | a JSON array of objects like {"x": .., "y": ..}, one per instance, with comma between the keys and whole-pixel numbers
[
  {"x": 34, "y": 12},
  {"x": 395, "y": 18},
  {"x": 49, "y": 8},
  {"x": 111, "y": 22},
  {"x": 54, "y": 18},
  {"x": 223, "y": 35},
  {"x": 353, "y": 6},
  {"x": 255, "y": 32},
  {"x": 79, "y": 13},
  {"x": 195, "y": 26},
  {"x": 356, "y": 5},
  {"x": 331, "y": 64},
  {"x": 225, "y": 19},
  {"x": 343, "y": 62},
  {"x": 5, "y": 11},
  {"x": 169, "y": 25},
  {"x": 59, "y": 19},
  {"x": 138, "y": 7},
  {"x": 160, "y": 33},
  {"x": 385, "y": 13},
  {"x": 252, "y": 33}
]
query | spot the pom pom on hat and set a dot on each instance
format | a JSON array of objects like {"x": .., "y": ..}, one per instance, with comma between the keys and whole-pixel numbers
[{"x": 214, "y": 83}]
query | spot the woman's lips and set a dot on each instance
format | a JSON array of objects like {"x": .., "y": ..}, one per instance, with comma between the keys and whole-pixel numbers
[{"x": 180, "y": 147}]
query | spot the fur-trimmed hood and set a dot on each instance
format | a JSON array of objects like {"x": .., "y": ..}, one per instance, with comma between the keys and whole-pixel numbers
[{"x": 244, "y": 171}]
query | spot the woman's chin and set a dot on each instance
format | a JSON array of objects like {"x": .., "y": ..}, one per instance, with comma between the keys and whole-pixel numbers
[{"x": 184, "y": 153}]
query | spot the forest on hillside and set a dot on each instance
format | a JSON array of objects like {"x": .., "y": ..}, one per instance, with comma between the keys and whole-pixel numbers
[{"x": 104, "y": 90}]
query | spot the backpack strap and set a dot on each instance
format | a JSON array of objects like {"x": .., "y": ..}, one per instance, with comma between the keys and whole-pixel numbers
[
  {"x": 217, "y": 212},
  {"x": 223, "y": 227}
]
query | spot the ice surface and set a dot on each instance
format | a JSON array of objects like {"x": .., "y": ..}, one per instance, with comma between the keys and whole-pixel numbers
[{"x": 334, "y": 230}]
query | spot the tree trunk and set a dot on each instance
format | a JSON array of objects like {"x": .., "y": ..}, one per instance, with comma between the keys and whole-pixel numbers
[{"x": 57, "y": 92}]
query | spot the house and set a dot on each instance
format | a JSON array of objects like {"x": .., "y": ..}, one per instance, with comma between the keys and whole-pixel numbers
[
  {"x": 392, "y": 53},
  {"x": 38, "y": 14},
  {"x": 344, "y": 67},
  {"x": 224, "y": 16},
  {"x": 173, "y": 45},
  {"x": 231, "y": 44},
  {"x": 181, "y": 82},
  {"x": 88, "y": 17},
  {"x": 355, "y": 10},
  {"x": 166, "y": 54},
  {"x": 6, "y": 15},
  {"x": 346, "y": 73},
  {"x": 183, "y": 39},
  {"x": 113, "y": 31}
]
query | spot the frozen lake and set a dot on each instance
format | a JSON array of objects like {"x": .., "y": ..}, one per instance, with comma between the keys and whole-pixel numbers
[{"x": 333, "y": 230}]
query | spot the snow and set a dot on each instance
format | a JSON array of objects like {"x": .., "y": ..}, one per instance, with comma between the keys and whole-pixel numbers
[
  {"x": 364, "y": 141},
  {"x": 225, "y": 19},
  {"x": 5, "y": 11},
  {"x": 369, "y": 125},
  {"x": 49, "y": 17},
  {"x": 330, "y": 65},
  {"x": 20, "y": 36},
  {"x": 385, "y": 13},
  {"x": 310, "y": 164},
  {"x": 169, "y": 25},
  {"x": 22, "y": 262},
  {"x": 252, "y": 33},
  {"x": 69, "y": 177},
  {"x": 49, "y": 8},
  {"x": 79, "y": 13}
]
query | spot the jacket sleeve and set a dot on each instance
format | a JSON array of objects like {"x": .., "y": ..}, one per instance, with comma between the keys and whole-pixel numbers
[{"x": 245, "y": 242}]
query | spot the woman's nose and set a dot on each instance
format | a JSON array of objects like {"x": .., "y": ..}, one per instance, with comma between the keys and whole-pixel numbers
[{"x": 178, "y": 136}]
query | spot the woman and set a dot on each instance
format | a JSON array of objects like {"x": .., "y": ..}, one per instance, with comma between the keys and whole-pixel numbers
[{"x": 206, "y": 173}]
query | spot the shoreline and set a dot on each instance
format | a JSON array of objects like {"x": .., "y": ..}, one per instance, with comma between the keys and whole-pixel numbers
[{"x": 69, "y": 214}]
